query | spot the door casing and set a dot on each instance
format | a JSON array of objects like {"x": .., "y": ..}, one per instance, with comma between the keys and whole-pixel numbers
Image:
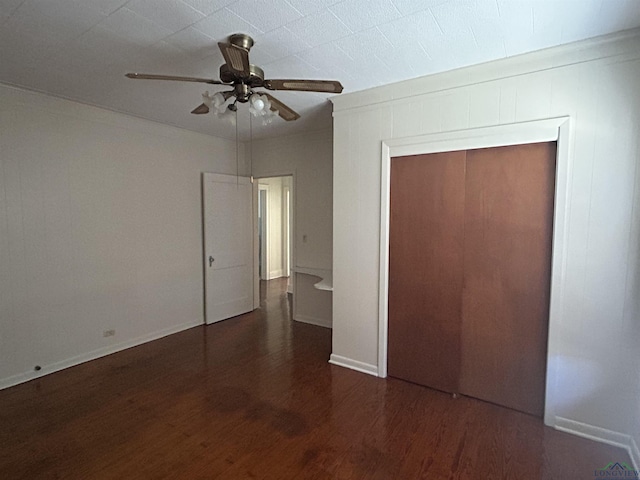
[{"x": 263, "y": 231}]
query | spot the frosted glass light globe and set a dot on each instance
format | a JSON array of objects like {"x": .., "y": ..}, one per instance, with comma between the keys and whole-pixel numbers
[
  {"x": 218, "y": 99},
  {"x": 257, "y": 102}
]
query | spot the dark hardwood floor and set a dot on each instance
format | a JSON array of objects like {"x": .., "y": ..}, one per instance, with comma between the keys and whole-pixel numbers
[{"x": 254, "y": 397}]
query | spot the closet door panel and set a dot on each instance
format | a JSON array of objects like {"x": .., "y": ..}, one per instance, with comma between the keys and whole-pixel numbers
[
  {"x": 507, "y": 266},
  {"x": 425, "y": 268}
]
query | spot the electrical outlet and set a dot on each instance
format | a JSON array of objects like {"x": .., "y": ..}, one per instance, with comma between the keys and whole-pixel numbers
[{"x": 109, "y": 333}]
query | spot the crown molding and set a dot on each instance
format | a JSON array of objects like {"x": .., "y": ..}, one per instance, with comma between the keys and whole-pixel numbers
[{"x": 625, "y": 43}]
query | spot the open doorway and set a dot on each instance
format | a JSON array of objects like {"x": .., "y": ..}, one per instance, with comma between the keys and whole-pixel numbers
[{"x": 275, "y": 197}]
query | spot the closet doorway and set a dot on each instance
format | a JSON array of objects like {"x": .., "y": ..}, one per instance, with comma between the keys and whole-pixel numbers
[{"x": 470, "y": 236}]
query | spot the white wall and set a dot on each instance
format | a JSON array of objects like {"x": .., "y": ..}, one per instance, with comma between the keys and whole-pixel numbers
[
  {"x": 596, "y": 84},
  {"x": 100, "y": 228},
  {"x": 633, "y": 293},
  {"x": 309, "y": 158},
  {"x": 635, "y": 421}
]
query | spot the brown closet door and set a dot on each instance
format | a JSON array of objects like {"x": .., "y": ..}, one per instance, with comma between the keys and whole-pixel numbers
[
  {"x": 507, "y": 255},
  {"x": 425, "y": 268}
]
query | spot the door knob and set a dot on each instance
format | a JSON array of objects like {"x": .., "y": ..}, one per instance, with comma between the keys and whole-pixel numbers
[{"x": 211, "y": 260}]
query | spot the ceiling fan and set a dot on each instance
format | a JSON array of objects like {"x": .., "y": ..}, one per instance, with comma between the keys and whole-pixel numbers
[{"x": 244, "y": 77}]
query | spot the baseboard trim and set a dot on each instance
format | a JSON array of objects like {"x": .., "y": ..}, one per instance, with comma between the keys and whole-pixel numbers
[
  {"x": 601, "y": 435},
  {"x": 93, "y": 355},
  {"x": 320, "y": 322},
  {"x": 276, "y": 274},
  {"x": 353, "y": 364}
]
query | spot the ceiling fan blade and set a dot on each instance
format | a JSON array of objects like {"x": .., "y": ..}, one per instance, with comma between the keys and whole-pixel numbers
[
  {"x": 237, "y": 58},
  {"x": 200, "y": 109},
  {"x": 325, "y": 86},
  {"x": 150, "y": 76},
  {"x": 285, "y": 112}
]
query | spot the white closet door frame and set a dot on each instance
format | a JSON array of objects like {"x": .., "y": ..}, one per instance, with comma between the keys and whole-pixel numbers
[{"x": 548, "y": 130}]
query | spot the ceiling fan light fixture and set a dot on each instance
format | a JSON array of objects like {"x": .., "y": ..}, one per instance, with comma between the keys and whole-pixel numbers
[
  {"x": 215, "y": 102},
  {"x": 256, "y": 102},
  {"x": 268, "y": 115},
  {"x": 260, "y": 106},
  {"x": 218, "y": 100},
  {"x": 226, "y": 115},
  {"x": 243, "y": 77},
  {"x": 206, "y": 99}
]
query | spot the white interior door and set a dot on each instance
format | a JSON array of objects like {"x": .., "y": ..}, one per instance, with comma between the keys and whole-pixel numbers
[{"x": 228, "y": 240}]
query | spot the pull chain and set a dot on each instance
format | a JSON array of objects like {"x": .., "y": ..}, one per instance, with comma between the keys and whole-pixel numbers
[{"x": 237, "y": 153}]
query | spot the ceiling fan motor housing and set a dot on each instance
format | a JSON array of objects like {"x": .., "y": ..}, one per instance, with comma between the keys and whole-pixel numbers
[{"x": 255, "y": 78}]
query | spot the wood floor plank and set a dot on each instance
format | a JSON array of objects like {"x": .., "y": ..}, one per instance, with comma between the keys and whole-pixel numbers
[{"x": 254, "y": 397}]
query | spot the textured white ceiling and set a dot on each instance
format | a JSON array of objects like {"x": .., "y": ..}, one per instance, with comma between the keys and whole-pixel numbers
[{"x": 81, "y": 49}]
